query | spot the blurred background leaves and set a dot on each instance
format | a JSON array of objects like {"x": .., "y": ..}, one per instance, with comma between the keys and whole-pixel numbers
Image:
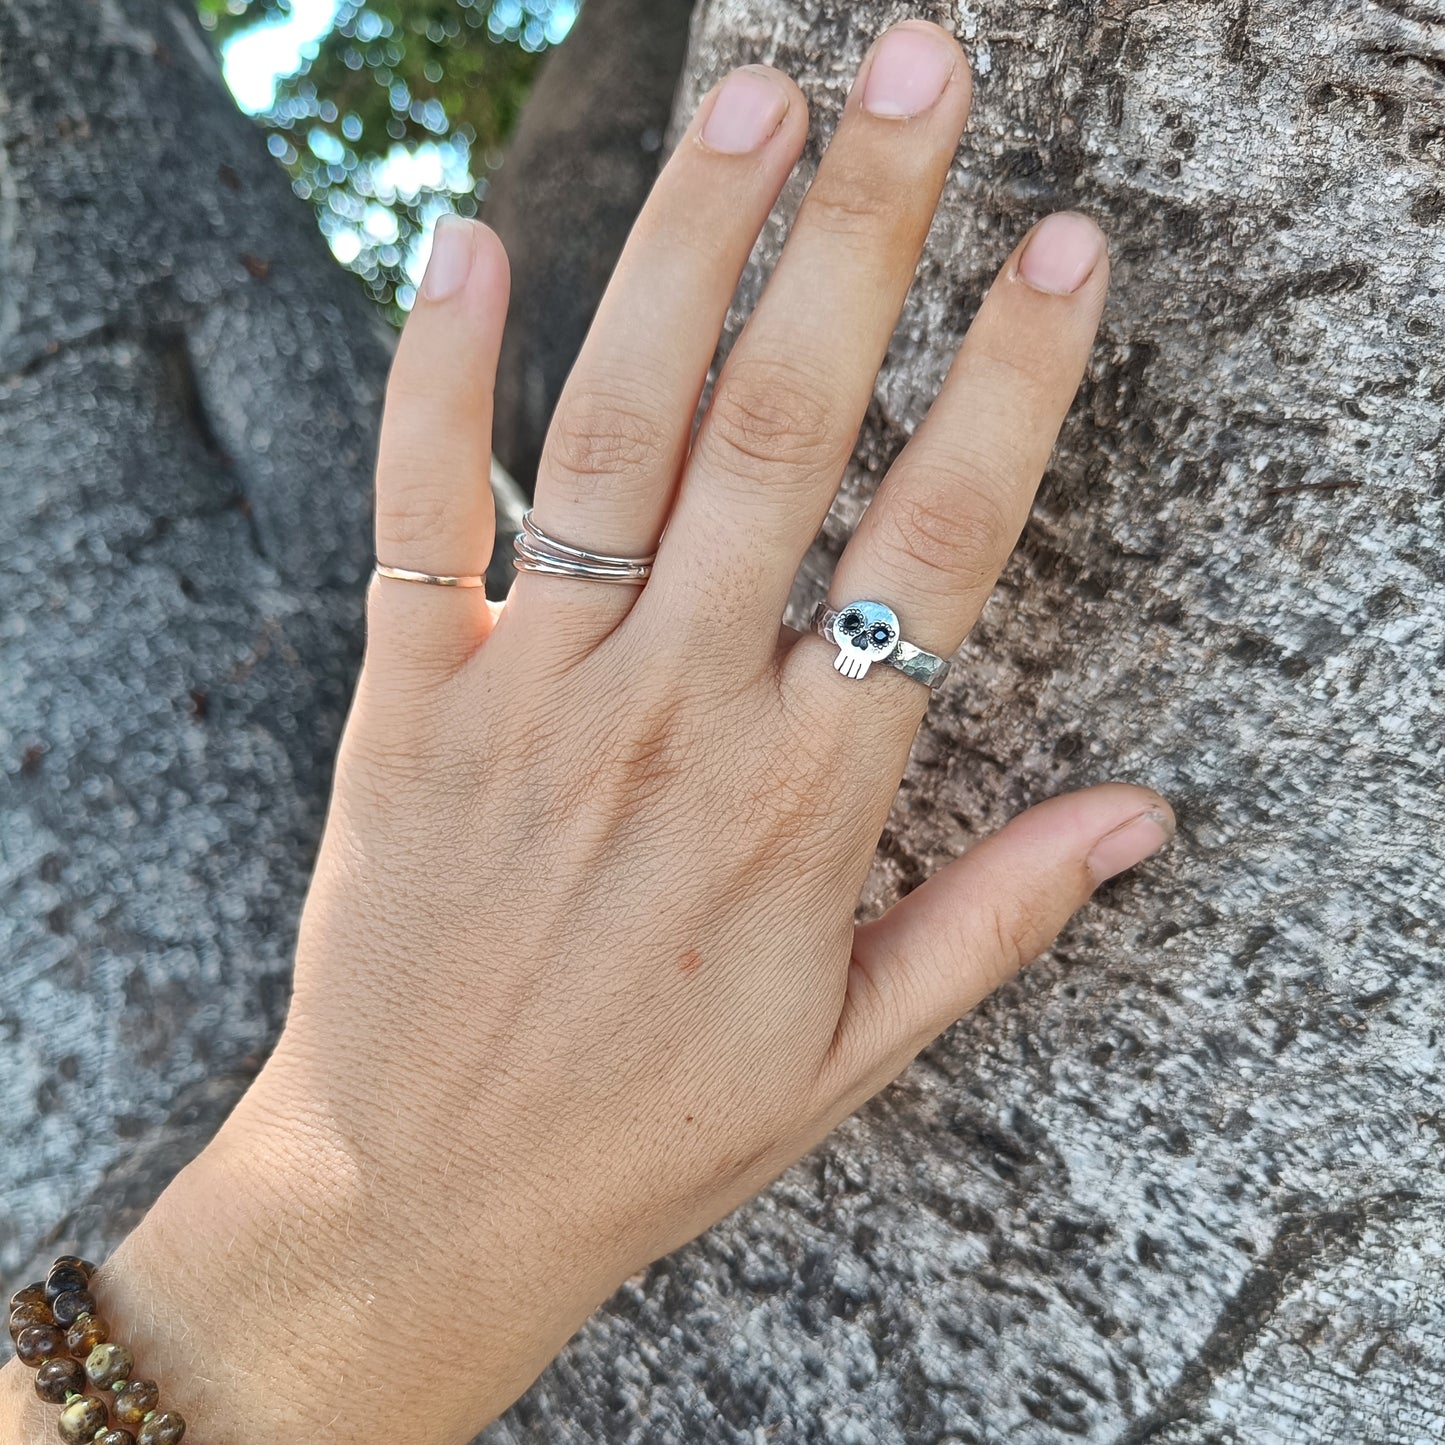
[{"x": 387, "y": 114}]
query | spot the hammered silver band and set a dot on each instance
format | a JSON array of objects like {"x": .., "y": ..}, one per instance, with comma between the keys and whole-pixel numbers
[
  {"x": 858, "y": 650},
  {"x": 537, "y": 551}
]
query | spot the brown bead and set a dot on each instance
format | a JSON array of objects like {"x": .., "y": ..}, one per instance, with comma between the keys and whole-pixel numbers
[
  {"x": 39, "y": 1343},
  {"x": 62, "y": 1279},
  {"x": 74, "y": 1261},
  {"x": 166, "y": 1428},
  {"x": 31, "y": 1294},
  {"x": 80, "y": 1419},
  {"x": 85, "y": 1334},
  {"x": 69, "y": 1307},
  {"x": 57, "y": 1378},
  {"x": 115, "y": 1437},
  {"x": 135, "y": 1402},
  {"x": 36, "y": 1312},
  {"x": 107, "y": 1365}
]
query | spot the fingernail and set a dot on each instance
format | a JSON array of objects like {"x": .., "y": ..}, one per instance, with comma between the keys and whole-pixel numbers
[
  {"x": 451, "y": 259},
  {"x": 748, "y": 110},
  {"x": 1062, "y": 254},
  {"x": 910, "y": 69},
  {"x": 1130, "y": 845}
]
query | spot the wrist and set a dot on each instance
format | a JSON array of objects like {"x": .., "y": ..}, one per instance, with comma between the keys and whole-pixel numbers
[{"x": 288, "y": 1286}]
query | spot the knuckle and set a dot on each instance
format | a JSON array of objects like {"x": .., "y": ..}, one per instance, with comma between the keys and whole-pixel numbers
[
  {"x": 927, "y": 534},
  {"x": 1018, "y": 933},
  {"x": 655, "y": 754},
  {"x": 769, "y": 418},
  {"x": 853, "y": 207},
  {"x": 845, "y": 213},
  {"x": 417, "y": 514},
  {"x": 961, "y": 538},
  {"x": 648, "y": 748},
  {"x": 601, "y": 437},
  {"x": 798, "y": 798}
]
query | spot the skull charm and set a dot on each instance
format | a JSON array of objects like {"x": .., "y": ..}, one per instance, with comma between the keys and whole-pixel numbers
[{"x": 866, "y": 632}]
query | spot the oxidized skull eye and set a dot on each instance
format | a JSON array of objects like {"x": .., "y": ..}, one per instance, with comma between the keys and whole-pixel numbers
[{"x": 865, "y": 633}]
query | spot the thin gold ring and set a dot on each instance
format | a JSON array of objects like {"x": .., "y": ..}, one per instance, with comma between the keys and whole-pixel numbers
[{"x": 430, "y": 579}]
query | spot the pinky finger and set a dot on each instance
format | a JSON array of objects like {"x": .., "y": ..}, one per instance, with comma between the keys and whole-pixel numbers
[{"x": 434, "y": 509}]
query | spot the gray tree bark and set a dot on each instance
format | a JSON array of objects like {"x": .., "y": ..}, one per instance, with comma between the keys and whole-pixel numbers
[
  {"x": 188, "y": 393},
  {"x": 1182, "y": 1182}
]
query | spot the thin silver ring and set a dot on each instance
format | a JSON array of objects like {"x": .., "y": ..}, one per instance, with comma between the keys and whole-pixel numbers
[
  {"x": 537, "y": 551},
  {"x": 580, "y": 554},
  {"x": 868, "y": 634}
]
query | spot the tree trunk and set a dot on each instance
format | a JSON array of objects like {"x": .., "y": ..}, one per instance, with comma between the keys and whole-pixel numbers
[
  {"x": 577, "y": 172},
  {"x": 190, "y": 389},
  {"x": 1182, "y": 1182}
]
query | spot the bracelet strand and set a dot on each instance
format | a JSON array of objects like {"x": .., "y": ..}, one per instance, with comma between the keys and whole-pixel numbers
[{"x": 58, "y": 1333}]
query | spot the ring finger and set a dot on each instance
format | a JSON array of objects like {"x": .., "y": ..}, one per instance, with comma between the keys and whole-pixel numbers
[{"x": 942, "y": 525}]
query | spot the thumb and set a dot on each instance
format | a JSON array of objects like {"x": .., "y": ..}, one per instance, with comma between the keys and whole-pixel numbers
[{"x": 974, "y": 924}]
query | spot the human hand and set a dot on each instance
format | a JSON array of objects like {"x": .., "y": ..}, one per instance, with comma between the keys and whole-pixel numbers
[{"x": 579, "y": 972}]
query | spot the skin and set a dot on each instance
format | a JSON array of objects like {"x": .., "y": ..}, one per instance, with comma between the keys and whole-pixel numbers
[{"x": 578, "y": 973}]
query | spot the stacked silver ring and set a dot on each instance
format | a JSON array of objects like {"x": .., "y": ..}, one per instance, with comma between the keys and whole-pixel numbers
[{"x": 538, "y": 552}]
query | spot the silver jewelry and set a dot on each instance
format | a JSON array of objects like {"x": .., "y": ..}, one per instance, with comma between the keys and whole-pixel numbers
[
  {"x": 538, "y": 552},
  {"x": 869, "y": 632},
  {"x": 431, "y": 579}
]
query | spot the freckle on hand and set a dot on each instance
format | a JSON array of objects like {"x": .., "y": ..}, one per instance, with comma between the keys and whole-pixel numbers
[{"x": 690, "y": 962}]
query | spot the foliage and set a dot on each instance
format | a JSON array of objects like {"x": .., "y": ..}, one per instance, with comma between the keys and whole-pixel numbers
[{"x": 397, "y": 114}]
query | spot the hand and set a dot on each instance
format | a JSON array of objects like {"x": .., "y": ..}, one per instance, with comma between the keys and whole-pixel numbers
[{"x": 579, "y": 972}]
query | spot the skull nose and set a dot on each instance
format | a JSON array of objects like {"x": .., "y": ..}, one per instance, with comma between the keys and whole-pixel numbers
[{"x": 860, "y": 641}]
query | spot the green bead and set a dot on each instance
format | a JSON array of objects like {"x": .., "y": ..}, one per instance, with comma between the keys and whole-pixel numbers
[
  {"x": 80, "y": 1419},
  {"x": 106, "y": 1364}
]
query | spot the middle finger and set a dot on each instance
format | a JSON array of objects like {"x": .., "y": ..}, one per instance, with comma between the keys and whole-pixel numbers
[{"x": 788, "y": 406}]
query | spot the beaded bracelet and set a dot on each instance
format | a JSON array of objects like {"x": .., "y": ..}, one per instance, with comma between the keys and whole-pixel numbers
[{"x": 55, "y": 1327}]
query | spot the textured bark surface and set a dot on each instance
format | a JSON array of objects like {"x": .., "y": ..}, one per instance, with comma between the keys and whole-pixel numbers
[
  {"x": 577, "y": 172},
  {"x": 188, "y": 392},
  {"x": 1181, "y": 1183}
]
